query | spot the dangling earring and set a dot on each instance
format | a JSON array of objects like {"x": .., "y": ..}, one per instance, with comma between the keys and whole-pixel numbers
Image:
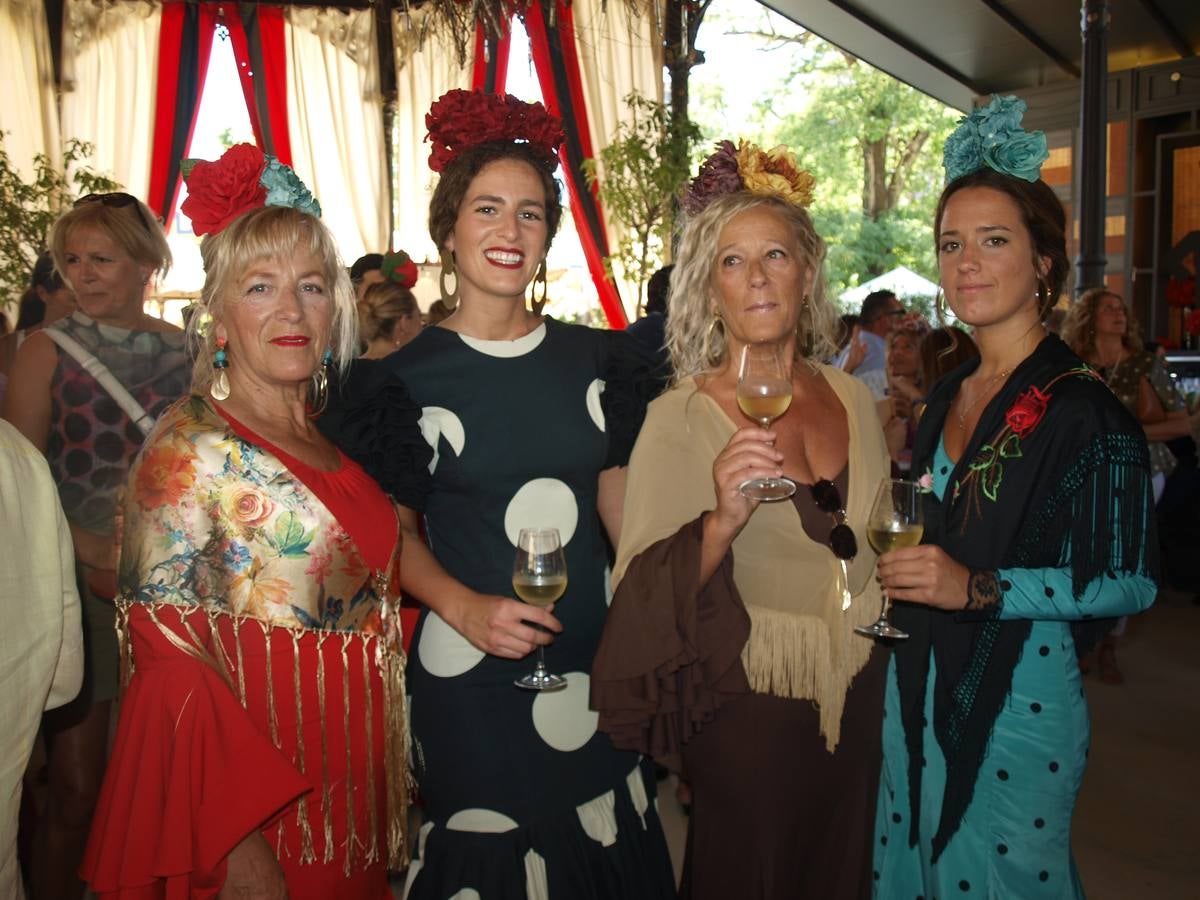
[
  {"x": 716, "y": 323},
  {"x": 540, "y": 278},
  {"x": 450, "y": 298},
  {"x": 320, "y": 395},
  {"x": 219, "y": 389}
]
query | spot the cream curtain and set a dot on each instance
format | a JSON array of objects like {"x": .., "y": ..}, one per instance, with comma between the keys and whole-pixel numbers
[
  {"x": 619, "y": 53},
  {"x": 110, "y": 77},
  {"x": 426, "y": 67},
  {"x": 335, "y": 122},
  {"x": 29, "y": 113}
]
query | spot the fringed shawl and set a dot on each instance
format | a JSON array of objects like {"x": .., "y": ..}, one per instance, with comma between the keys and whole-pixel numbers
[{"x": 1056, "y": 475}]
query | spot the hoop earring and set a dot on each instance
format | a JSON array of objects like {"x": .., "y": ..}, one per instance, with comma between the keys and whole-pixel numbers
[
  {"x": 539, "y": 279},
  {"x": 449, "y": 297},
  {"x": 708, "y": 336},
  {"x": 219, "y": 389},
  {"x": 320, "y": 395}
]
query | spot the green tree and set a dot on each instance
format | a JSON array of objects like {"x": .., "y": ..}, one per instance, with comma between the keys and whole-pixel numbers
[
  {"x": 28, "y": 209},
  {"x": 644, "y": 168}
]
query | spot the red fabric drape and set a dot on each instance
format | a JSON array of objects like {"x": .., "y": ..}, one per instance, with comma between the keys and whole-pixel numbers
[
  {"x": 183, "y": 51},
  {"x": 557, "y": 65},
  {"x": 260, "y": 51},
  {"x": 490, "y": 70}
]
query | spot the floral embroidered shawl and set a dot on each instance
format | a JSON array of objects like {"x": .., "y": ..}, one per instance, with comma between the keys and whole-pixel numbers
[{"x": 212, "y": 520}]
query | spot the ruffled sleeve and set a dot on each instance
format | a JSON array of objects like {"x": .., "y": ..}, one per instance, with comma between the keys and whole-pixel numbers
[
  {"x": 633, "y": 376},
  {"x": 372, "y": 418},
  {"x": 189, "y": 777},
  {"x": 670, "y": 655}
]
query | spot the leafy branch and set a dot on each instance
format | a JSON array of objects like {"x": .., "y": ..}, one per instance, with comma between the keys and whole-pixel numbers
[{"x": 644, "y": 168}]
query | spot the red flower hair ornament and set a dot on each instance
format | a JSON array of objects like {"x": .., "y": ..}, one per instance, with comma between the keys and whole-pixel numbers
[
  {"x": 244, "y": 178},
  {"x": 400, "y": 268},
  {"x": 460, "y": 120}
]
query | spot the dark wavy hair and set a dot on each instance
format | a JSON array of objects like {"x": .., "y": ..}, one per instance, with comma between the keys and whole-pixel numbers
[
  {"x": 458, "y": 175},
  {"x": 1044, "y": 218}
]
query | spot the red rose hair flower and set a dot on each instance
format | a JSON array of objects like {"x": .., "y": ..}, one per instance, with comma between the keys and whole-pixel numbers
[
  {"x": 459, "y": 120},
  {"x": 398, "y": 267},
  {"x": 1027, "y": 411},
  {"x": 1181, "y": 292},
  {"x": 219, "y": 192}
]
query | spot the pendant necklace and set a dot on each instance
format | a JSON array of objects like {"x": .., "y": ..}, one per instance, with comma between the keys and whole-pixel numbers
[{"x": 987, "y": 389}]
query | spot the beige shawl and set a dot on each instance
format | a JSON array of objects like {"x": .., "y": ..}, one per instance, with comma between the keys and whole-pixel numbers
[{"x": 802, "y": 645}]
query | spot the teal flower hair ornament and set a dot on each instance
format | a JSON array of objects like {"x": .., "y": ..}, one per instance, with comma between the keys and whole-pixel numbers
[
  {"x": 992, "y": 136},
  {"x": 284, "y": 188}
]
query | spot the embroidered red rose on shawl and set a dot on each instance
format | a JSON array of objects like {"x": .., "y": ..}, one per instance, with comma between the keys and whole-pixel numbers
[
  {"x": 1027, "y": 411},
  {"x": 219, "y": 192},
  {"x": 459, "y": 120}
]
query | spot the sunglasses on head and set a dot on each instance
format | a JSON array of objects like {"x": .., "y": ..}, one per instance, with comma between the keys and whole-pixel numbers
[
  {"x": 114, "y": 200},
  {"x": 841, "y": 539}
]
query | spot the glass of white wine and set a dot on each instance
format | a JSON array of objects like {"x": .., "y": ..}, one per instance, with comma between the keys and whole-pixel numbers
[
  {"x": 764, "y": 393},
  {"x": 896, "y": 521},
  {"x": 540, "y": 578}
]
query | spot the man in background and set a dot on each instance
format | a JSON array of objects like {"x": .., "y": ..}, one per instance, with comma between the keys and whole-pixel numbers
[
  {"x": 880, "y": 314},
  {"x": 41, "y": 641}
]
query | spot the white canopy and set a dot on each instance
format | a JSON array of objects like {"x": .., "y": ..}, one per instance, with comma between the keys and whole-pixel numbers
[{"x": 901, "y": 281}]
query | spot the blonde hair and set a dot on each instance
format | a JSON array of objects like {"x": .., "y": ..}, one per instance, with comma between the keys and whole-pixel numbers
[
  {"x": 1079, "y": 325},
  {"x": 381, "y": 307},
  {"x": 695, "y": 345},
  {"x": 131, "y": 225},
  {"x": 271, "y": 232}
]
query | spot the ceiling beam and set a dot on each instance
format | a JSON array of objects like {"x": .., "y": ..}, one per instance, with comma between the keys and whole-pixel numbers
[
  {"x": 1173, "y": 34},
  {"x": 901, "y": 41},
  {"x": 1017, "y": 24}
]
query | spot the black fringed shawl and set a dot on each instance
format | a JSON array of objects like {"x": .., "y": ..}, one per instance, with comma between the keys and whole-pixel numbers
[{"x": 1054, "y": 466}]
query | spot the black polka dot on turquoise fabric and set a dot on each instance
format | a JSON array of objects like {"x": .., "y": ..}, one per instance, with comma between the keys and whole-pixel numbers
[
  {"x": 883, "y": 839},
  {"x": 1049, "y": 592},
  {"x": 1002, "y": 775},
  {"x": 1005, "y": 584},
  {"x": 1039, "y": 823},
  {"x": 1053, "y": 767},
  {"x": 1044, "y": 650},
  {"x": 1002, "y": 849},
  {"x": 1036, "y": 707},
  {"x": 1043, "y": 875},
  {"x": 945, "y": 469},
  {"x": 896, "y": 818},
  {"x": 964, "y": 886}
]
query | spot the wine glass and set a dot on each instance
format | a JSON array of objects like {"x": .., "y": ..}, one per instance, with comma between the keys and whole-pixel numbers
[
  {"x": 896, "y": 521},
  {"x": 540, "y": 578},
  {"x": 764, "y": 393}
]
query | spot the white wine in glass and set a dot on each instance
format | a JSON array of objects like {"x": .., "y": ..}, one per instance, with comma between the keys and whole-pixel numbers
[
  {"x": 896, "y": 521},
  {"x": 764, "y": 393},
  {"x": 540, "y": 578}
]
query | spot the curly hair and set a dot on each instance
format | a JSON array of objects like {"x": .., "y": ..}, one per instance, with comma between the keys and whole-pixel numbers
[
  {"x": 1044, "y": 218},
  {"x": 457, "y": 177},
  {"x": 1079, "y": 326},
  {"x": 698, "y": 349},
  {"x": 269, "y": 232}
]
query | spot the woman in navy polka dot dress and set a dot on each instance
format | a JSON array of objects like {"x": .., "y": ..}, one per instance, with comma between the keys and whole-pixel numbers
[
  {"x": 1039, "y": 524},
  {"x": 531, "y": 422}
]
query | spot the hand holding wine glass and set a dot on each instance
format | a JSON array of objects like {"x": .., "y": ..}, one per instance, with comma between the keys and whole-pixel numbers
[
  {"x": 764, "y": 393},
  {"x": 896, "y": 521},
  {"x": 540, "y": 578}
]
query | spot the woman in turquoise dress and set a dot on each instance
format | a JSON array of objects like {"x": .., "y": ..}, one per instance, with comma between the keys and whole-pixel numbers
[{"x": 1038, "y": 528}]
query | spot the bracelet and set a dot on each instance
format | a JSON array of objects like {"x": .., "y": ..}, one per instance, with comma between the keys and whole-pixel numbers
[{"x": 983, "y": 590}]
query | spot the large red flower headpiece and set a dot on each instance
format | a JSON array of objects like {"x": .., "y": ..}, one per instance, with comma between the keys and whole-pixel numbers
[
  {"x": 220, "y": 191},
  {"x": 459, "y": 120}
]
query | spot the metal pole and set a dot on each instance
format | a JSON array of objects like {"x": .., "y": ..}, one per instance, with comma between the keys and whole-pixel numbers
[{"x": 1093, "y": 122}]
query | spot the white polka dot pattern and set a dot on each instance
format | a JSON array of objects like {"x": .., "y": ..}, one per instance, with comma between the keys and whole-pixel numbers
[
  {"x": 599, "y": 819},
  {"x": 637, "y": 793},
  {"x": 537, "y": 887},
  {"x": 486, "y": 821},
  {"x": 542, "y": 503},
  {"x": 443, "y": 651},
  {"x": 438, "y": 422},
  {"x": 507, "y": 349},
  {"x": 419, "y": 861},
  {"x": 562, "y": 718},
  {"x": 595, "y": 410}
]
